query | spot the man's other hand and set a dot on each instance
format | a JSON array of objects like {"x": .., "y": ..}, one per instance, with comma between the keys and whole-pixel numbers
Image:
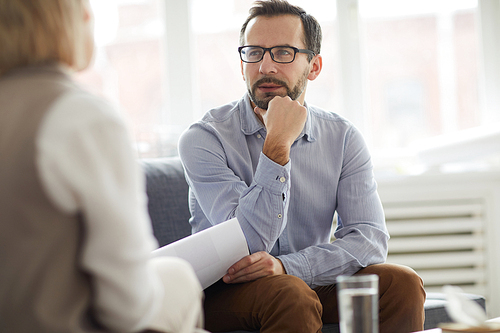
[{"x": 253, "y": 267}]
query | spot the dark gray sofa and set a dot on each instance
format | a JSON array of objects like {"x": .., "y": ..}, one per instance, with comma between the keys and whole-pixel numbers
[{"x": 167, "y": 192}]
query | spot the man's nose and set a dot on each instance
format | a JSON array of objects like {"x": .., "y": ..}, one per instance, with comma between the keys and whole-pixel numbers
[{"x": 267, "y": 64}]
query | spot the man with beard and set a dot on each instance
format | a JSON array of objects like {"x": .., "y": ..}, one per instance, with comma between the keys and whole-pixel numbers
[{"x": 283, "y": 168}]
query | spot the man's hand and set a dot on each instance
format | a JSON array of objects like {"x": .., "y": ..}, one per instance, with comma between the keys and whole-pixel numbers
[
  {"x": 254, "y": 266},
  {"x": 284, "y": 120}
]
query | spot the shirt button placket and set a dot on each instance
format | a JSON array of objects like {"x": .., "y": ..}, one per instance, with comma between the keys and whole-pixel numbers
[{"x": 282, "y": 179}]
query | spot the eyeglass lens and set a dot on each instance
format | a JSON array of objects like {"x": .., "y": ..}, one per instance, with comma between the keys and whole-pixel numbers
[{"x": 278, "y": 53}]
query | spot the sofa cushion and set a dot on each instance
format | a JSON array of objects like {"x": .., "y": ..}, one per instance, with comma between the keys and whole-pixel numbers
[{"x": 167, "y": 192}]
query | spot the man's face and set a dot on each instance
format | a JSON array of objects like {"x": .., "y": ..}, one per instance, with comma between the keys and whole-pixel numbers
[{"x": 267, "y": 78}]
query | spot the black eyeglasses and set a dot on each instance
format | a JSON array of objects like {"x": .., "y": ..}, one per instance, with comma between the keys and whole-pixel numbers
[{"x": 280, "y": 54}]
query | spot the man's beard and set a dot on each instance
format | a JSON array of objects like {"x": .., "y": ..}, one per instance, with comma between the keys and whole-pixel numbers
[{"x": 293, "y": 93}]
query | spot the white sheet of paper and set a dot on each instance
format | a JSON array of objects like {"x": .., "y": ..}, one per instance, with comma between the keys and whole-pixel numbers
[{"x": 211, "y": 251}]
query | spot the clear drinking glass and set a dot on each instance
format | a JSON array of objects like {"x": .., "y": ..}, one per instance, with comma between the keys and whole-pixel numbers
[{"x": 358, "y": 303}]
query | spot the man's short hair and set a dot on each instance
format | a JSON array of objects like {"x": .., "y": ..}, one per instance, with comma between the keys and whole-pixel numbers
[
  {"x": 41, "y": 31},
  {"x": 271, "y": 8}
]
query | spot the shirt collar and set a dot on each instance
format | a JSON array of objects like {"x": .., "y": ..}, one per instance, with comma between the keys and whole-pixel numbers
[{"x": 250, "y": 124}]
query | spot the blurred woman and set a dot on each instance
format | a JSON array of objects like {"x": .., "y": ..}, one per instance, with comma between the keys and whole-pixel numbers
[{"x": 75, "y": 235}]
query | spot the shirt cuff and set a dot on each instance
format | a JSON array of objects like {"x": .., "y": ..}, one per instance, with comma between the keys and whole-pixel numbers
[
  {"x": 296, "y": 264},
  {"x": 272, "y": 176}
]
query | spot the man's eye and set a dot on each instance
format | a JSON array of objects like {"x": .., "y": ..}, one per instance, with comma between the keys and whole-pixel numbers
[
  {"x": 254, "y": 53},
  {"x": 283, "y": 52}
]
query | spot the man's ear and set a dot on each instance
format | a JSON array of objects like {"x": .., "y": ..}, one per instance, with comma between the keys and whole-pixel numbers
[{"x": 316, "y": 66}]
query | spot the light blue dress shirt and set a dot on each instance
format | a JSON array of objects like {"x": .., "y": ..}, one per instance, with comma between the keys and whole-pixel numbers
[{"x": 288, "y": 210}]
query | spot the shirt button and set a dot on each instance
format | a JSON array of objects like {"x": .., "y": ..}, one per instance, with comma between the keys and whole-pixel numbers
[
  {"x": 279, "y": 216},
  {"x": 259, "y": 136},
  {"x": 282, "y": 179}
]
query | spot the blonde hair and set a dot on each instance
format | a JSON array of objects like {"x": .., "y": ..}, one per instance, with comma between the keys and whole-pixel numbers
[{"x": 41, "y": 31}]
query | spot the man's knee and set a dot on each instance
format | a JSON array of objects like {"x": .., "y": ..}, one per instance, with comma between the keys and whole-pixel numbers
[
  {"x": 290, "y": 290},
  {"x": 402, "y": 297},
  {"x": 403, "y": 277},
  {"x": 397, "y": 280}
]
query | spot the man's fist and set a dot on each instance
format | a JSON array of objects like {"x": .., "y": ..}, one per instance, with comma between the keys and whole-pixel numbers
[{"x": 284, "y": 120}]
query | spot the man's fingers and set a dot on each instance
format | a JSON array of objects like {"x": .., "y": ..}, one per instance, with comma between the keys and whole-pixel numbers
[
  {"x": 245, "y": 262},
  {"x": 247, "y": 277},
  {"x": 247, "y": 274},
  {"x": 251, "y": 267}
]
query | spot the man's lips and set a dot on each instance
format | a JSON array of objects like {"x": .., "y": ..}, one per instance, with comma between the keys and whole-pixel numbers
[{"x": 269, "y": 87}]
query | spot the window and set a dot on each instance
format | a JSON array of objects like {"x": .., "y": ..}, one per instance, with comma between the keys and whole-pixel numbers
[
  {"x": 404, "y": 103},
  {"x": 400, "y": 71},
  {"x": 421, "y": 61},
  {"x": 128, "y": 69}
]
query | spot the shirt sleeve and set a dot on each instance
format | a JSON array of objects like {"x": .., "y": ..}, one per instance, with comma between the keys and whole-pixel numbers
[
  {"x": 86, "y": 165},
  {"x": 259, "y": 204},
  {"x": 361, "y": 235}
]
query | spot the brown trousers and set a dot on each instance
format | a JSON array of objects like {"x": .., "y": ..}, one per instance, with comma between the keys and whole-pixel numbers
[{"x": 284, "y": 303}]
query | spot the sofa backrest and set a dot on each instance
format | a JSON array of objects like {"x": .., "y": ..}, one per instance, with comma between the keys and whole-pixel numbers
[{"x": 167, "y": 192}]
